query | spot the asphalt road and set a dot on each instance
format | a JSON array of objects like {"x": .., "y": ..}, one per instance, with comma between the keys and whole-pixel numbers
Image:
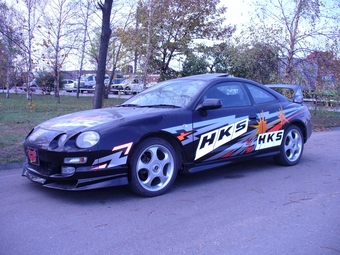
[{"x": 249, "y": 208}]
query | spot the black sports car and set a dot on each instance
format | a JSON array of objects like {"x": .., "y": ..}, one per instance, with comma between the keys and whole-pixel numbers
[{"x": 182, "y": 125}]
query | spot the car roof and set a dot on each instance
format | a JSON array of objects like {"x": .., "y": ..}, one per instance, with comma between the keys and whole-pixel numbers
[
  {"x": 212, "y": 76},
  {"x": 206, "y": 76}
]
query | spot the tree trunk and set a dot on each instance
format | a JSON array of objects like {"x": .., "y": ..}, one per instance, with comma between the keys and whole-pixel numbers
[{"x": 104, "y": 44}]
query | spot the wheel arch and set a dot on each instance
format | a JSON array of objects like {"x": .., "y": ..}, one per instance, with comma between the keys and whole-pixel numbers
[
  {"x": 302, "y": 127},
  {"x": 165, "y": 136}
]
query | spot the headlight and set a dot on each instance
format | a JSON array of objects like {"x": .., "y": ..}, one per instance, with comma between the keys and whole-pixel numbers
[
  {"x": 62, "y": 139},
  {"x": 87, "y": 139}
]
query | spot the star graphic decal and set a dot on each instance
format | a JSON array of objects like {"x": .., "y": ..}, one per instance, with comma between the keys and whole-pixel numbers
[
  {"x": 282, "y": 117},
  {"x": 280, "y": 122},
  {"x": 261, "y": 125}
]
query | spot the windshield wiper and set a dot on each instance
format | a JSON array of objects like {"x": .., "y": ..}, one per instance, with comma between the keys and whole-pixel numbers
[
  {"x": 128, "y": 105},
  {"x": 162, "y": 105}
]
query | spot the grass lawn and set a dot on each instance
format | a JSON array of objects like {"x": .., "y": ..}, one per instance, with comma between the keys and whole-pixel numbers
[{"x": 18, "y": 116}]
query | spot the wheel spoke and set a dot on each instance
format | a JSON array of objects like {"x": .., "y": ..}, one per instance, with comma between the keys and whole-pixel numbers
[
  {"x": 155, "y": 167},
  {"x": 156, "y": 179},
  {"x": 293, "y": 145}
]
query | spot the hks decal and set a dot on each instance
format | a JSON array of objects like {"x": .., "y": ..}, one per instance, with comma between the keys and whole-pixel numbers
[
  {"x": 216, "y": 138},
  {"x": 267, "y": 140}
]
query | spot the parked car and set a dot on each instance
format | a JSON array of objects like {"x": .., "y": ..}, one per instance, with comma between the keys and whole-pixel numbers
[
  {"x": 88, "y": 82},
  {"x": 33, "y": 87},
  {"x": 69, "y": 85},
  {"x": 118, "y": 88},
  {"x": 182, "y": 125},
  {"x": 129, "y": 86}
]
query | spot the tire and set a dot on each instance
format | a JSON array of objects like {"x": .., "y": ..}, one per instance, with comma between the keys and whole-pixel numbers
[
  {"x": 127, "y": 91},
  {"x": 153, "y": 167},
  {"x": 291, "y": 147}
]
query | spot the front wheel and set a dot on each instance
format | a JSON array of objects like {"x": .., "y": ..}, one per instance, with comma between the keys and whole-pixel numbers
[
  {"x": 291, "y": 147},
  {"x": 154, "y": 166},
  {"x": 127, "y": 91}
]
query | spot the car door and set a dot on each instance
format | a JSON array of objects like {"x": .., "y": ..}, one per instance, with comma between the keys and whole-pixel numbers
[
  {"x": 271, "y": 117},
  {"x": 229, "y": 131}
]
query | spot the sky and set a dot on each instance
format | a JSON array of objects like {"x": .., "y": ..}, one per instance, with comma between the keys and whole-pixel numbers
[{"x": 237, "y": 13}]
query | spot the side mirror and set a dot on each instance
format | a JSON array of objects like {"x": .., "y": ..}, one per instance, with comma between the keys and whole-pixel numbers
[{"x": 210, "y": 104}]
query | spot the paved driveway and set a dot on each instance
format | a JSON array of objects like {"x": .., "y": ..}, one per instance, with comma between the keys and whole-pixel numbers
[{"x": 250, "y": 208}]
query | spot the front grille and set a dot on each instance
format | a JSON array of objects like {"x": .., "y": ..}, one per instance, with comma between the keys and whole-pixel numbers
[{"x": 46, "y": 168}]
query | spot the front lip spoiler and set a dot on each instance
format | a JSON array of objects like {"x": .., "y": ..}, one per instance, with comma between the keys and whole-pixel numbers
[
  {"x": 78, "y": 184},
  {"x": 91, "y": 183}
]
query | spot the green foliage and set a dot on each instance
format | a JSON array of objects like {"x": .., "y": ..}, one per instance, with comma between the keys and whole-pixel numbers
[
  {"x": 175, "y": 24},
  {"x": 194, "y": 64},
  {"x": 256, "y": 62},
  {"x": 45, "y": 80},
  {"x": 260, "y": 63}
]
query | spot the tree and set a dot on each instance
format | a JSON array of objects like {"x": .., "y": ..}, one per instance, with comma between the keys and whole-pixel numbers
[
  {"x": 327, "y": 89},
  {"x": 295, "y": 27},
  {"x": 59, "y": 33},
  {"x": 45, "y": 80},
  {"x": 104, "y": 43},
  {"x": 194, "y": 64},
  {"x": 118, "y": 55},
  {"x": 9, "y": 40},
  {"x": 175, "y": 25},
  {"x": 85, "y": 16},
  {"x": 257, "y": 62}
]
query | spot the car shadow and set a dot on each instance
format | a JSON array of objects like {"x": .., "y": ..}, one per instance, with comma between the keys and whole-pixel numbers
[
  {"x": 123, "y": 193},
  {"x": 92, "y": 196},
  {"x": 231, "y": 171}
]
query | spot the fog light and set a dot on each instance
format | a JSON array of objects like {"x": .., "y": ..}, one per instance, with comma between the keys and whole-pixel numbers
[
  {"x": 67, "y": 170},
  {"x": 79, "y": 160}
]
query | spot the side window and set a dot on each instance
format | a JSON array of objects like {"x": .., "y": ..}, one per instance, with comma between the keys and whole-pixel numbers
[
  {"x": 231, "y": 94},
  {"x": 259, "y": 95}
]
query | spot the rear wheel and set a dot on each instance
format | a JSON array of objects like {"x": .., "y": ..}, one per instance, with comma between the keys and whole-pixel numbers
[
  {"x": 291, "y": 147},
  {"x": 154, "y": 166}
]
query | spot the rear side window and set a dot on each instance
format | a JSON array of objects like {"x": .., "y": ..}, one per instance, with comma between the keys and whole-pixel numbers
[{"x": 259, "y": 95}]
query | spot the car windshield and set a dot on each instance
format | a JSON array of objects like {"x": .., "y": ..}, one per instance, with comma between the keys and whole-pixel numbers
[{"x": 172, "y": 93}]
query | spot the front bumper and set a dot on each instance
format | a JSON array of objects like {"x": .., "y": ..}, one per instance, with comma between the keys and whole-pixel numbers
[{"x": 77, "y": 181}]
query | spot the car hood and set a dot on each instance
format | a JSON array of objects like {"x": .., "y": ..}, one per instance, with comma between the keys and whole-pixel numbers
[
  {"x": 100, "y": 120},
  {"x": 91, "y": 119}
]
